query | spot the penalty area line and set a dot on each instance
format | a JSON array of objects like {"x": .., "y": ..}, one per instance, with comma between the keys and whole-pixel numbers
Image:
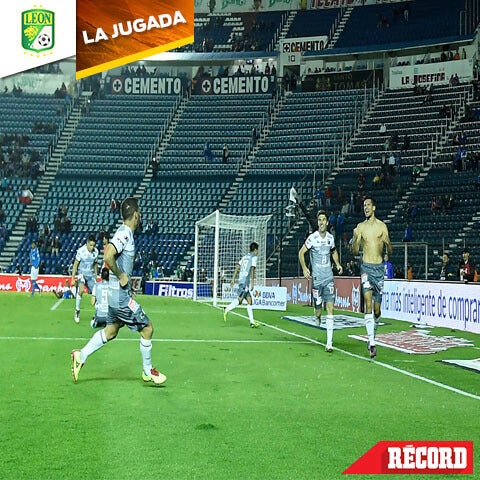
[{"x": 365, "y": 359}]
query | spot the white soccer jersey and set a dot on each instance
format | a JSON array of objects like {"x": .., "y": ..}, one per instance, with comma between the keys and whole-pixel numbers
[
  {"x": 100, "y": 292},
  {"x": 320, "y": 251},
  {"x": 246, "y": 263},
  {"x": 124, "y": 243},
  {"x": 86, "y": 261}
]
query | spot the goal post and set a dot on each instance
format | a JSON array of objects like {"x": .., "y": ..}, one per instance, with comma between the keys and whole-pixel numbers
[{"x": 221, "y": 240}]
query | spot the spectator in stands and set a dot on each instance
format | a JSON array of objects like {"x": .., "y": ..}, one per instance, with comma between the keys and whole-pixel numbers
[
  {"x": 466, "y": 267},
  {"x": 477, "y": 183},
  {"x": 410, "y": 275},
  {"x": 207, "y": 152},
  {"x": 448, "y": 203},
  {"x": 448, "y": 271},
  {"x": 113, "y": 205},
  {"x": 416, "y": 170},
  {"x": 5, "y": 185},
  {"x": 387, "y": 265},
  {"x": 2, "y": 215},
  {"x": 406, "y": 11},
  {"x": 56, "y": 245},
  {"x": 155, "y": 167},
  {"x": 32, "y": 225},
  {"x": 457, "y": 55},
  {"x": 328, "y": 196},
  {"x": 382, "y": 130},
  {"x": 225, "y": 153},
  {"x": 408, "y": 233},
  {"x": 26, "y": 196}
]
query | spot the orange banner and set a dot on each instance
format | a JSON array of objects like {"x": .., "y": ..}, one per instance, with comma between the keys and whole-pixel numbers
[{"x": 112, "y": 34}]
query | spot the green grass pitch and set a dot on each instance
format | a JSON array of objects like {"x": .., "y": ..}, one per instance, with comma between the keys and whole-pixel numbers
[{"x": 239, "y": 403}]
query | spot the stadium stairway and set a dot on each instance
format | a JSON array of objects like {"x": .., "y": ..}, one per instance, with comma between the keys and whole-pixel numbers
[
  {"x": 276, "y": 106},
  {"x": 284, "y": 28},
  {"x": 340, "y": 26},
  {"x": 52, "y": 165}
]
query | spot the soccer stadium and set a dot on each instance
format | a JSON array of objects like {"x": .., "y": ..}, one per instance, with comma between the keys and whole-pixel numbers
[{"x": 231, "y": 145}]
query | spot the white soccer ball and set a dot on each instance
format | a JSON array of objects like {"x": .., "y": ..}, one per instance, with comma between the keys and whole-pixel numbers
[{"x": 44, "y": 40}]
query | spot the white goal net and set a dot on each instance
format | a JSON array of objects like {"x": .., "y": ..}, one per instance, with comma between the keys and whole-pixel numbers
[{"x": 221, "y": 240}]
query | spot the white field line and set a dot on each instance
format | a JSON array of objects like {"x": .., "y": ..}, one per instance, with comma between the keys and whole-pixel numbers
[
  {"x": 376, "y": 362},
  {"x": 57, "y": 303}
]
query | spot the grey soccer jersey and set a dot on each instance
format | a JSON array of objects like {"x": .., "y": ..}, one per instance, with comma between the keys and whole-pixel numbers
[
  {"x": 320, "y": 251},
  {"x": 124, "y": 243},
  {"x": 100, "y": 292},
  {"x": 246, "y": 263},
  {"x": 87, "y": 261}
]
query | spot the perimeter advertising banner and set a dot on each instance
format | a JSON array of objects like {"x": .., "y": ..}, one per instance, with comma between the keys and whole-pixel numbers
[
  {"x": 439, "y": 304},
  {"x": 263, "y": 297},
  {"x": 22, "y": 283},
  {"x": 298, "y": 291},
  {"x": 431, "y": 73},
  {"x": 177, "y": 289}
]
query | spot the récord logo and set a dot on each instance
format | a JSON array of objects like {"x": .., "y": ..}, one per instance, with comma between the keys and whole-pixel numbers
[{"x": 441, "y": 457}]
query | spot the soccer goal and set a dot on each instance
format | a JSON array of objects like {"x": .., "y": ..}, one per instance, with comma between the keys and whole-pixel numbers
[{"x": 221, "y": 240}]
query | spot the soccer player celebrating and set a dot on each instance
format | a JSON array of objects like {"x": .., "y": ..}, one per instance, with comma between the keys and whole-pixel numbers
[
  {"x": 35, "y": 266},
  {"x": 245, "y": 269},
  {"x": 372, "y": 235},
  {"x": 122, "y": 308},
  {"x": 100, "y": 300},
  {"x": 321, "y": 245},
  {"x": 86, "y": 265}
]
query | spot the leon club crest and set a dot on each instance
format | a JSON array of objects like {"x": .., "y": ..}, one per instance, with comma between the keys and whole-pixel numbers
[{"x": 38, "y": 30}]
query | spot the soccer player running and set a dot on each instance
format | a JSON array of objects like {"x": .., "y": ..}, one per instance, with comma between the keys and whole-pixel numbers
[
  {"x": 100, "y": 300},
  {"x": 35, "y": 267},
  {"x": 372, "y": 235},
  {"x": 321, "y": 245},
  {"x": 122, "y": 308},
  {"x": 86, "y": 265},
  {"x": 245, "y": 269}
]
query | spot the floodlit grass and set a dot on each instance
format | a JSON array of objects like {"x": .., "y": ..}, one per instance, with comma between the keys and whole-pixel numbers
[{"x": 239, "y": 403}]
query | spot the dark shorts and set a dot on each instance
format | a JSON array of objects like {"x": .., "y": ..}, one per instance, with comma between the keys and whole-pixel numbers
[
  {"x": 132, "y": 315},
  {"x": 243, "y": 291},
  {"x": 372, "y": 277},
  {"x": 323, "y": 292}
]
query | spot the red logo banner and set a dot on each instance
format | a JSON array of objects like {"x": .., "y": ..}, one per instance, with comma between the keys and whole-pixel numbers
[{"x": 419, "y": 457}]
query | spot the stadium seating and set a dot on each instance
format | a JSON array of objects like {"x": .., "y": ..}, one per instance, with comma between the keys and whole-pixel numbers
[
  {"x": 427, "y": 20},
  {"x": 116, "y": 136}
]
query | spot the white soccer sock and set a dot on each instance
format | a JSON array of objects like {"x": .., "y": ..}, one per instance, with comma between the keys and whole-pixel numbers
[
  {"x": 329, "y": 329},
  {"x": 97, "y": 341},
  {"x": 370, "y": 326},
  {"x": 250, "y": 313},
  {"x": 146, "y": 350},
  {"x": 232, "y": 305},
  {"x": 78, "y": 299}
]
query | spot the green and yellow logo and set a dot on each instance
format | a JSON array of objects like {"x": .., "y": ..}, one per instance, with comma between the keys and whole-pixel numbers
[{"x": 38, "y": 30}]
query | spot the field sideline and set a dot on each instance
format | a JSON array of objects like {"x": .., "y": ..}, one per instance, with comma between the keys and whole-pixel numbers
[{"x": 239, "y": 403}]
